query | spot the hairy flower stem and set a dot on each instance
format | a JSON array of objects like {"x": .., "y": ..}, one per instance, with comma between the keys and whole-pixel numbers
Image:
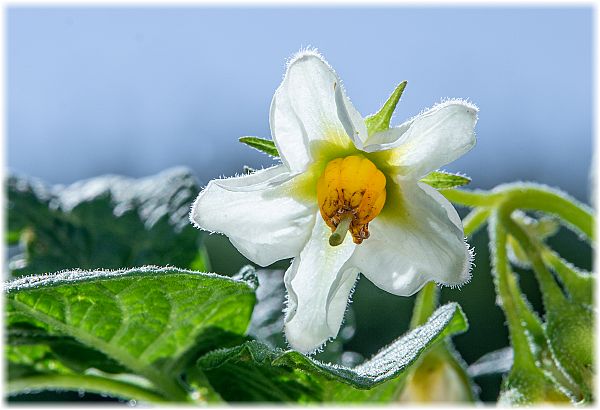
[
  {"x": 551, "y": 292},
  {"x": 425, "y": 303},
  {"x": 475, "y": 220},
  {"x": 530, "y": 197},
  {"x": 501, "y": 268}
]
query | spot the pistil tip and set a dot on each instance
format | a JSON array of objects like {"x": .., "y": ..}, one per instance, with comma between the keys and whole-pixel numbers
[{"x": 336, "y": 239}]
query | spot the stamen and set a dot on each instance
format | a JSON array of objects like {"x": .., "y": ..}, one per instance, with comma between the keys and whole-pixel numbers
[{"x": 337, "y": 237}]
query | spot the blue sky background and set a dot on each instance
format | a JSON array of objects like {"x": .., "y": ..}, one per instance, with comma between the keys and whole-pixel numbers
[{"x": 136, "y": 90}]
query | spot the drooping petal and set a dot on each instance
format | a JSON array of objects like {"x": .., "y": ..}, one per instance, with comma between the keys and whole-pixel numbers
[
  {"x": 419, "y": 241},
  {"x": 430, "y": 140},
  {"x": 318, "y": 284},
  {"x": 310, "y": 107},
  {"x": 258, "y": 213}
]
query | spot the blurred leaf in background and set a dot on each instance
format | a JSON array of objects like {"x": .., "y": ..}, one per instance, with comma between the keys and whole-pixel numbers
[{"x": 108, "y": 222}]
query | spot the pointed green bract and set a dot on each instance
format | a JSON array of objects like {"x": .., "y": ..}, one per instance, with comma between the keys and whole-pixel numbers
[
  {"x": 445, "y": 180},
  {"x": 261, "y": 144},
  {"x": 380, "y": 121},
  {"x": 577, "y": 283}
]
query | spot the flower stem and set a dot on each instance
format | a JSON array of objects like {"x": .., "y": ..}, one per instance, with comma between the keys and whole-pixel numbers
[
  {"x": 551, "y": 292},
  {"x": 501, "y": 267},
  {"x": 475, "y": 219},
  {"x": 337, "y": 237},
  {"x": 579, "y": 284},
  {"x": 471, "y": 198},
  {"x": 530, "y": 197},
  {"x": 546, "y": 200},
  {"x": 425, "y": 304}
]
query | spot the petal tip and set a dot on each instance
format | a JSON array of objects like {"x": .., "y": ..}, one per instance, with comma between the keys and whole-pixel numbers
[
  {"x": 194, "y": 214},
  {"x": 468, "y": 105},
  {"x": 305, "y": 53},
  {"x": 304, "y": 342},
  {"x": 465, "y": 275}
]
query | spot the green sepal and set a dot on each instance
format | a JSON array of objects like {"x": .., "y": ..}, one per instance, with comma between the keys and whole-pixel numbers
[
  {"x": 529, "y": 385},
  {"x": 380, "y": 121},
  {"x": 445, "y": 180},
  {"x": 261, "y": 144}
]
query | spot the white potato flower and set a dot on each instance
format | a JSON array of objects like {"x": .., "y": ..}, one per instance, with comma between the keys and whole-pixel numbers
[{"x": 336, "y": 178}]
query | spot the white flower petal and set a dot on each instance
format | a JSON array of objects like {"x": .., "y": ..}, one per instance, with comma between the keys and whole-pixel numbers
[
  {"x": 386, "y": 139},
  {"x": 318, "y": 284},
  {"x": 338, "y": 300},
  {"x": 431, "y": 139},
  {"x": 258, "y": 214},
  {"x": 309, "y": 107},
  {"x": 423, "y": 242}
]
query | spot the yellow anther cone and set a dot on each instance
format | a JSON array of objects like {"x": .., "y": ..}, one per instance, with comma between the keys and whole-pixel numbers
[{"x": 351, "y": 188}]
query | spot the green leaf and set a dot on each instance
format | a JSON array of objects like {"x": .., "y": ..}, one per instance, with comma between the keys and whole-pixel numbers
[
  {"x": 445, "y": 180},
  {"x": 22, "y": 337},
  {"x": 380, "y": 121},
  {"x": 29, "y": 360},
  {"x": 261, "y": 144},
  {"x": 254, "y": 371},
  {"x": 150, "y": 320},
  {"x": 110, "y": 222}
]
